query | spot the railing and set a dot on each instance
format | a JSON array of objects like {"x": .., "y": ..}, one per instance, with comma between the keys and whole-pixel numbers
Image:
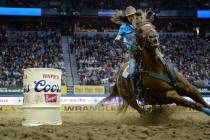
[
  {"x": 114, "y": 33},
  {"x": 79, "y": 91},
  {"x": 69, "y": 52}
]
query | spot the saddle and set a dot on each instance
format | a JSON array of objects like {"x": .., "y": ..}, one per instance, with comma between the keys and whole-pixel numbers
[{"x": 171, "y": 79}]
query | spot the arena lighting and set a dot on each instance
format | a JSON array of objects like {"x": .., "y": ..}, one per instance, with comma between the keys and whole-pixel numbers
[
  {"x": 12, "y": 11},
  {"x": 106, "y": 13},
  {"x": 203, "y": 13}
]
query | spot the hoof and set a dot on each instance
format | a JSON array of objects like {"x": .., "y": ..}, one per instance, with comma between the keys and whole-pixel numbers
[{"x": 206, "y": 111}]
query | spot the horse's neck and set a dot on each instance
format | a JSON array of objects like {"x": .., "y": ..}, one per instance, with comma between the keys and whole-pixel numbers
[{"x": 152, "y": 62}]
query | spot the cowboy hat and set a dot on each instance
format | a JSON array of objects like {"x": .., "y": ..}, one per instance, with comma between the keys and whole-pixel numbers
[{"x": 130, "y": 10}]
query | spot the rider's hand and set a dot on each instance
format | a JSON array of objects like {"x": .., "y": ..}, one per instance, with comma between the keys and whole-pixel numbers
[{"x": 117, "y": 43}]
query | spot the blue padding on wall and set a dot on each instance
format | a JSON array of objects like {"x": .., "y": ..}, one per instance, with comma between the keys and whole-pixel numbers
[
  {"x": 203, "y": 14},
  {"x": 11, "y": 11}
]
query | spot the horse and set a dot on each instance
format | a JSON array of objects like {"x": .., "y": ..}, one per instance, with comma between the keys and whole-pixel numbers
[{"x": 158, "y": 78}]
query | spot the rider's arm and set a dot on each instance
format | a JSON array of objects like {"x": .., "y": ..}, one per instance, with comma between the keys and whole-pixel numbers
[
  {"x": 117, "y": 41},
  {"x": 119, "y": 38}
]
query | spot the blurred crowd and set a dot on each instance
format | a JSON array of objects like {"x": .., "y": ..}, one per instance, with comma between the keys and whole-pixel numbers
[
  {"x": 20, "y": 50},
  {"x": 143, "y": 4},
  {"x": 110, "y": 4},
  {"x": 190, "y": 55},
  {"x": 99, "y": 61},
  {"x": 166, "y": 25},
  {"x": 96, "y": 59},
  {"x": 95, "y": 25},
  {"x": 21, "y": 3}
]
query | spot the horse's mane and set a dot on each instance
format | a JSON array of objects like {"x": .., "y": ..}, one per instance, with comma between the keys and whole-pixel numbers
[{"x": 142, "y": 17}]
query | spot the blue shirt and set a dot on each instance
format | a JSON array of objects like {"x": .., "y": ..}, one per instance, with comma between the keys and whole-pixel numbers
[{"x": 127, "y": 31}]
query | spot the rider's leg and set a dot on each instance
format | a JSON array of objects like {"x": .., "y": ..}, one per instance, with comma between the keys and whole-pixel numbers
[
  {"x": 133, "y": 76},
  {"x": 187, "y": 89},
  {"x": 174, "y": 97}
]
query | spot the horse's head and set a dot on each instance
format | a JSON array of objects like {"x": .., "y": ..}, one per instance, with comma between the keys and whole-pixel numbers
[
  {"x": 139, "y": 18},
  {"x": 147, "y": 36}
]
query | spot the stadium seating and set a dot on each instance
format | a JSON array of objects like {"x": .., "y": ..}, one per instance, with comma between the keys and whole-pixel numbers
[
  {"x": 29, "y": 49},
  {"x": 109, "y": 4},
  {"x": 98, "y": 60}
]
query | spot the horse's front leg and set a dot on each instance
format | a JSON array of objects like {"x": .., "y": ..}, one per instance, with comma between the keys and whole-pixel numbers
[
  {"x": 184, "y": 88},
  {"x": 125, "y": 91},
  {"x": 174, "y": 97},
  {"x": 133, "y": 103}
]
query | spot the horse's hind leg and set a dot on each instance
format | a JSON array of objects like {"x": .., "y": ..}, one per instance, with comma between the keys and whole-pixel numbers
[
  {"x": 187, "y": 89},
  {"x": 174, "y": 97}
]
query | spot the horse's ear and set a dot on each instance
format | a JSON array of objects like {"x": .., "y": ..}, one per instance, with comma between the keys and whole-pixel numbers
[
  {"x": 149, "y": 14},
  {"x": 139, "y": 12}
]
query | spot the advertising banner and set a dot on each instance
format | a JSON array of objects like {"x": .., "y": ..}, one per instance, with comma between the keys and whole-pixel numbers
[
  {"x": 80, "y": 90},
  {"x": 97, "y": 108},
  {"x": 89, "y": 108},
  {"x": 89, "y": 89},
  {"x": 71, "y": 100},
  {"x": 63, "y": 89}
]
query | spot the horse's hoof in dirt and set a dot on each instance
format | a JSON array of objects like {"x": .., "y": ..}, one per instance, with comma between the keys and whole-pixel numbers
[
  {"x": 146, "y": 112},
  {"x": 206, "y": 111}
]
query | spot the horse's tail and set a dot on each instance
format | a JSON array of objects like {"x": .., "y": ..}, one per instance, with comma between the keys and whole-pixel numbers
[
  {"x": 123, "y": 106},
  {"x": 114, "y": 93}
]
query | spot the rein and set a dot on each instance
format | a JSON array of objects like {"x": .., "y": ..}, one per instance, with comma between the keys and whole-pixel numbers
[{"x": 170, "y": 78}]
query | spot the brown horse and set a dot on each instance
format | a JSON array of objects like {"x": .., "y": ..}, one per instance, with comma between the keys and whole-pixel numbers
[{"x": 156, "y": 78}]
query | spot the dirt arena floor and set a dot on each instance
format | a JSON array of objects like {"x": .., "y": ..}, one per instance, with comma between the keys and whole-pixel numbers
[{"x": 110, "y": 126}]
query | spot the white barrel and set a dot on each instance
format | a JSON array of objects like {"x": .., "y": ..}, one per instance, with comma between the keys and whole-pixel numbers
[{"x": 41, "y": 97}]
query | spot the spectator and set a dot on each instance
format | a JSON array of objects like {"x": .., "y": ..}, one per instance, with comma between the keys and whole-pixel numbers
[
  {"x": 28, "y": 50},
  {"x": 98, "y": 60}
]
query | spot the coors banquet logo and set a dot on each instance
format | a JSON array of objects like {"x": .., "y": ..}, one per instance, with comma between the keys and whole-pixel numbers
[
  {"x": 42, "y": 86},
  {"x": 50, "y": 98}
]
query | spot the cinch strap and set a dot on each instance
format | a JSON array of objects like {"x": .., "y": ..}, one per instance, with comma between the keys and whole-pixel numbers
[{"x": 158, "y": 76}]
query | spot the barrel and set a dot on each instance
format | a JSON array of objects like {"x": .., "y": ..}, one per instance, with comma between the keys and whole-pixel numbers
[{"x": 41, "y": 97}]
